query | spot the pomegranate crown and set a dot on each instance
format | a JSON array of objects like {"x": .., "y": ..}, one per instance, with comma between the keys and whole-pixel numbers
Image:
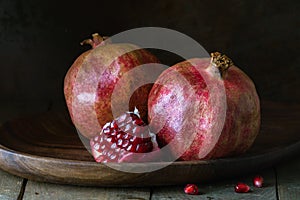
[
  {"x": 96, "y": 40},
  {"x": 221, "y": 61}
]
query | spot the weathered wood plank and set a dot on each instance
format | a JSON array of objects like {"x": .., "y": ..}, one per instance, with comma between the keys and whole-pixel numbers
[
  {"x": 37, "y": 190},
  {"x": 10, "y": 186},
  {"x": 222, "y": 190},
  {"x": 288, "y": 176}
]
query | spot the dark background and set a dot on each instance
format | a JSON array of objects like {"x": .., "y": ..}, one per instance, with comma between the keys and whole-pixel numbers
[{"x": 39, "y": 41}]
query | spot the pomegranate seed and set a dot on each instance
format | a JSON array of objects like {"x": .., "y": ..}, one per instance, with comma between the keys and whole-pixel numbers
[
  {"x": 258, "y": 181},
  {"x": 191, "y": 189},
  {"x": 242, "y": 188}
]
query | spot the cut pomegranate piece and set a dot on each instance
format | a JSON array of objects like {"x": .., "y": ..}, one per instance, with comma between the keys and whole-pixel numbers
[{"x": 122, "y": 137}]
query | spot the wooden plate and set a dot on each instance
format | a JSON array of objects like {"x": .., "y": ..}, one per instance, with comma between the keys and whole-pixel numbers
[{"x": 46, "y": 147}]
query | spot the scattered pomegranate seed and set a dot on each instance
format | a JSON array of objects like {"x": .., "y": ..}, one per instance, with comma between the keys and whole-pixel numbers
[
  {"x": 258, "y": 181},
  {"x": 191, "y": 189},
  {"x": 242, "y": 188}
]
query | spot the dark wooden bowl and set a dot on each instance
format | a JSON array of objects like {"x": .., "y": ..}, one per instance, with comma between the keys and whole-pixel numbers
[{"x": 47, "y": 148}]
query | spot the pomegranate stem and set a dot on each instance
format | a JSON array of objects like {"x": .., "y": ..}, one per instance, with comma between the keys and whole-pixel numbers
[
  {"x": 95, "y": 41},
  {"x": 222, "y": 62}
]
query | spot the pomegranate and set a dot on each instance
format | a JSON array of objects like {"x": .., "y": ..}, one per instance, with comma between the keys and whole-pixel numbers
[
  {"x": 121, "y": 138},
  {"x": 91, "y": 80},
  {"x": 205, "y": 107}
]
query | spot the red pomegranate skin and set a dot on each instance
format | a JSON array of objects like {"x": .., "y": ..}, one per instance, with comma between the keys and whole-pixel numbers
[
  {"x": 170, "y": 101},
  {"x": 90, "y": 82}
]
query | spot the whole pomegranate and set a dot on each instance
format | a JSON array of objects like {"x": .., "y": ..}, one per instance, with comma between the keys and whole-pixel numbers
[
  {"x": 205, "y": 107},
  {"x": 91, "y": 80}
]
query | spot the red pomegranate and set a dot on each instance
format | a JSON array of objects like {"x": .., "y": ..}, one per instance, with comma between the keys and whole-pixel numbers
[
  {"x": 91, "y": 80},
  {"x": 204, "y": 108}
]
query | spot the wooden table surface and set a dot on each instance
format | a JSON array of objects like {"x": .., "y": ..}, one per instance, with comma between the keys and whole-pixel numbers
[{"x": 281, "y": 182}]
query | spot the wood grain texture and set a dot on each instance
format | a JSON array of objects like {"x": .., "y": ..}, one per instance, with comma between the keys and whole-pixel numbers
[
  {"x": 222, "y": 190},
  {"x": 47, "y": 191},
  {"x": 14, "y": 109},
  {"x": 47, "y": 148},
  {"x": 10, "y": 186},
  {"x": 288, "y": 176}
]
